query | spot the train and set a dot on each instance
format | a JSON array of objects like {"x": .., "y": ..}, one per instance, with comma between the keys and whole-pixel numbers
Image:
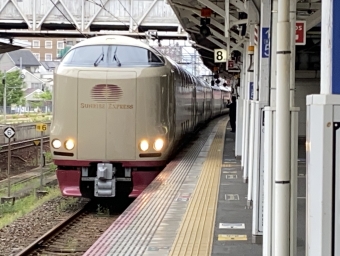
[{"x": 120, "y": 110}]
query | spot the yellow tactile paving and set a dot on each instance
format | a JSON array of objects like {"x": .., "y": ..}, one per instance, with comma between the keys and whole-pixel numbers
[{"x": 196, "y": 232}]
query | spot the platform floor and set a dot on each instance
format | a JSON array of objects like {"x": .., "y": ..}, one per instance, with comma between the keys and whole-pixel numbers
[{"x": 196, "y": 206}]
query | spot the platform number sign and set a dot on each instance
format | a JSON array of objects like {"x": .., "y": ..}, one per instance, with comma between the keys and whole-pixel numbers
[
  {"x": 41, "y": 127},
  {"x": 9, "y": 132},
  {"x": 220, "y": 55},
  {"x": 265, "y": 42}
]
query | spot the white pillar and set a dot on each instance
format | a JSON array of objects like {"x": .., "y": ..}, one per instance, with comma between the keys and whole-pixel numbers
[
  {"x": 240, "y": 108},
  {"x": 269, "y": 147},
  {"x": 263, "y": 100},
  {"x": 323, "y": 144},
  {"x": 246, "y": 118},
  {"x": 294, "y": 136},
  {"x": 282, "y": 154}
]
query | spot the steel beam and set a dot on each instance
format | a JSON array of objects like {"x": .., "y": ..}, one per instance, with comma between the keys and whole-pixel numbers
[
  {"x": 145, "y": 14},
  {"x": 313, "y": 20},
  {"x": 213, "y": 7}
]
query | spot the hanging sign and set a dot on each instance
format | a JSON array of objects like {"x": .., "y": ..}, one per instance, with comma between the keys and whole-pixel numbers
[{"x": 220, "y": 55}]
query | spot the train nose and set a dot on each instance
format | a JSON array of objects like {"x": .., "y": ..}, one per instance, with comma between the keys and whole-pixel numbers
[{"x": 107, "y": 101}]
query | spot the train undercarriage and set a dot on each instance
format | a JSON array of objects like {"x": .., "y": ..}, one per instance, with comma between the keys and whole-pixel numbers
[{"x": 105, "y": 180}]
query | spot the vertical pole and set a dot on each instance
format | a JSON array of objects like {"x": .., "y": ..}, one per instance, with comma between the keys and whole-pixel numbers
[
  {"x": 8, "y": 168},
  {"x": 273, "y": 56},
  {"x": 327, "y": 23},
  {"x": 226, "y": 27},
  {"x": 37, "y": 156},
  {"x": 282, "y": 164},
  {"x": 294, "y": 135},
  {"x": 41, "y": 160},
  {"x": 293, "y": 54},
  {"x": 131, "y": 15},
  {"x": 5, "y": 97},
  {"x": 82, "y": 15},
  {"x": 34, "y": 25}
]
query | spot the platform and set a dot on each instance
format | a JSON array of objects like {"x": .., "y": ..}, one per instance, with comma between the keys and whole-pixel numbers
[{"x": 195, "y": 206}]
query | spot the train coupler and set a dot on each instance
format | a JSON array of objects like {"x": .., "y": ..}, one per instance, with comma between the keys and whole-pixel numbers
[{"x": 105, "y": 182}]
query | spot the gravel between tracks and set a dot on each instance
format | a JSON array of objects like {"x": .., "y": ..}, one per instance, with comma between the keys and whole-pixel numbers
[{"x": 25, "y": 230}]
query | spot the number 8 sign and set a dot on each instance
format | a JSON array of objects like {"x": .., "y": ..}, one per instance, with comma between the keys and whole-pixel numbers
[{"x": 220, "y": 55}]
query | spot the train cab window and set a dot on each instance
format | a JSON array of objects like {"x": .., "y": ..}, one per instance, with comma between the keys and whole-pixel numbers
[
  {"x": 134, "y": 56},
  {"x": 93, "y": 55}
]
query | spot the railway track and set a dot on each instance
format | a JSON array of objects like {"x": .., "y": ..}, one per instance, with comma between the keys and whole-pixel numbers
[
  {"x": 22, "y": 144},
  {"x": 4, "y": 183},
  {"x": 74, "y": 235}
]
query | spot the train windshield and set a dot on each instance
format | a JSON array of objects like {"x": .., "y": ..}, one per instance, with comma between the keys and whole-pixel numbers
[
  {"x": 134, "y": 56},
  {"x": 94, "y": 55},
  {"x": 112, "y": 56}
]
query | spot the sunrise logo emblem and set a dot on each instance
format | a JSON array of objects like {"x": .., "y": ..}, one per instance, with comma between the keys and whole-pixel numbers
[{"x": 106, "y": 93}]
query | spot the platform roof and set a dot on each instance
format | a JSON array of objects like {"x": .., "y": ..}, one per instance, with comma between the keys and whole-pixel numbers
[
  {"x": 189, "y": 15},
  {"x": 6, "y": 47}
]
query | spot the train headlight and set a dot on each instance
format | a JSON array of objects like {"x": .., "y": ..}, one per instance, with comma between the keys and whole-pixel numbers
[
  {"x": 69, "y": 144},
  {"x": 144, "y": 145},
  {"x": 158, "y": 145},
  {"x": 56, "y": 144}
]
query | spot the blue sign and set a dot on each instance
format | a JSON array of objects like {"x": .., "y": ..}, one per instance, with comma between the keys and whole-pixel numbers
[
  {"x": 335, "y": 49},
  {"x": 265, "y": 42},
  {"x": 251, "y": 90}
]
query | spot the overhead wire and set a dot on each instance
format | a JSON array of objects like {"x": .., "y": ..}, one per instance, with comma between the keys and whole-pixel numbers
[
  {"x": 67, "y": 19},
  {"x": 104, "y": 8}
]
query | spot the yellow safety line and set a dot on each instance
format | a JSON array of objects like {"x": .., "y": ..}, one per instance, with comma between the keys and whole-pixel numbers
[{"x": 196, "y": 232}]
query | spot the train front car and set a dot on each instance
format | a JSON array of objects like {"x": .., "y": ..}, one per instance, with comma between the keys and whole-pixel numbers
[{"x": 112, "y": 128}]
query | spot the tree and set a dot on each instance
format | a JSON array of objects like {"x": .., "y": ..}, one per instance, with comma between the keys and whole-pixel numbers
[
  {"x": 14, "y": 86},
  {"x": 45, "y": 96}
]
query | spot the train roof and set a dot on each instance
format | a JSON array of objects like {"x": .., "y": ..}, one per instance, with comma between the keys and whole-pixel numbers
[{"x": 113, "y": 39}]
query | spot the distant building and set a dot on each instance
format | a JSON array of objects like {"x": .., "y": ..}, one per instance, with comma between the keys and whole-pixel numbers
[
  {"x": 48, "y": 66},
  {"x": 34, "y": 103},
  {"x": 30, "y": 80},
  {"x": 50, "y": 49},
  {"x": 25, "y": 58}
]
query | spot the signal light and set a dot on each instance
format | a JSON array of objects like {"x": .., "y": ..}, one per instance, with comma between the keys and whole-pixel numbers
[{"x": 204, "y": 29}]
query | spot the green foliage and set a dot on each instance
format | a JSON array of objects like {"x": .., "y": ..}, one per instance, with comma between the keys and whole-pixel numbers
[
  {"x": 14, "y": 85},
  {"x": 36, "y": 104},
  {"x": 45, "y": 96},
  {"x": 9, "y": 212}
]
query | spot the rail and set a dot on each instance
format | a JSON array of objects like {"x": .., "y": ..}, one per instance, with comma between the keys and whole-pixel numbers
[
  {"x": 51, "y": 233},
  {"x": 22, "y": 144}
]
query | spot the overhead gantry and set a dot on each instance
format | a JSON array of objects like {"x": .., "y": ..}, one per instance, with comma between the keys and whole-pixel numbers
[{"x": 86, "y": 18}]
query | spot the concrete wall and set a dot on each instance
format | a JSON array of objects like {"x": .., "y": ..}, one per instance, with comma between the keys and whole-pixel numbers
[{"x": 23, "y": 132}]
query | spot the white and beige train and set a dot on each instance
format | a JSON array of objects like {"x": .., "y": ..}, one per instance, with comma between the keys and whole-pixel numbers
[{"x": 120, "y": 110}]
